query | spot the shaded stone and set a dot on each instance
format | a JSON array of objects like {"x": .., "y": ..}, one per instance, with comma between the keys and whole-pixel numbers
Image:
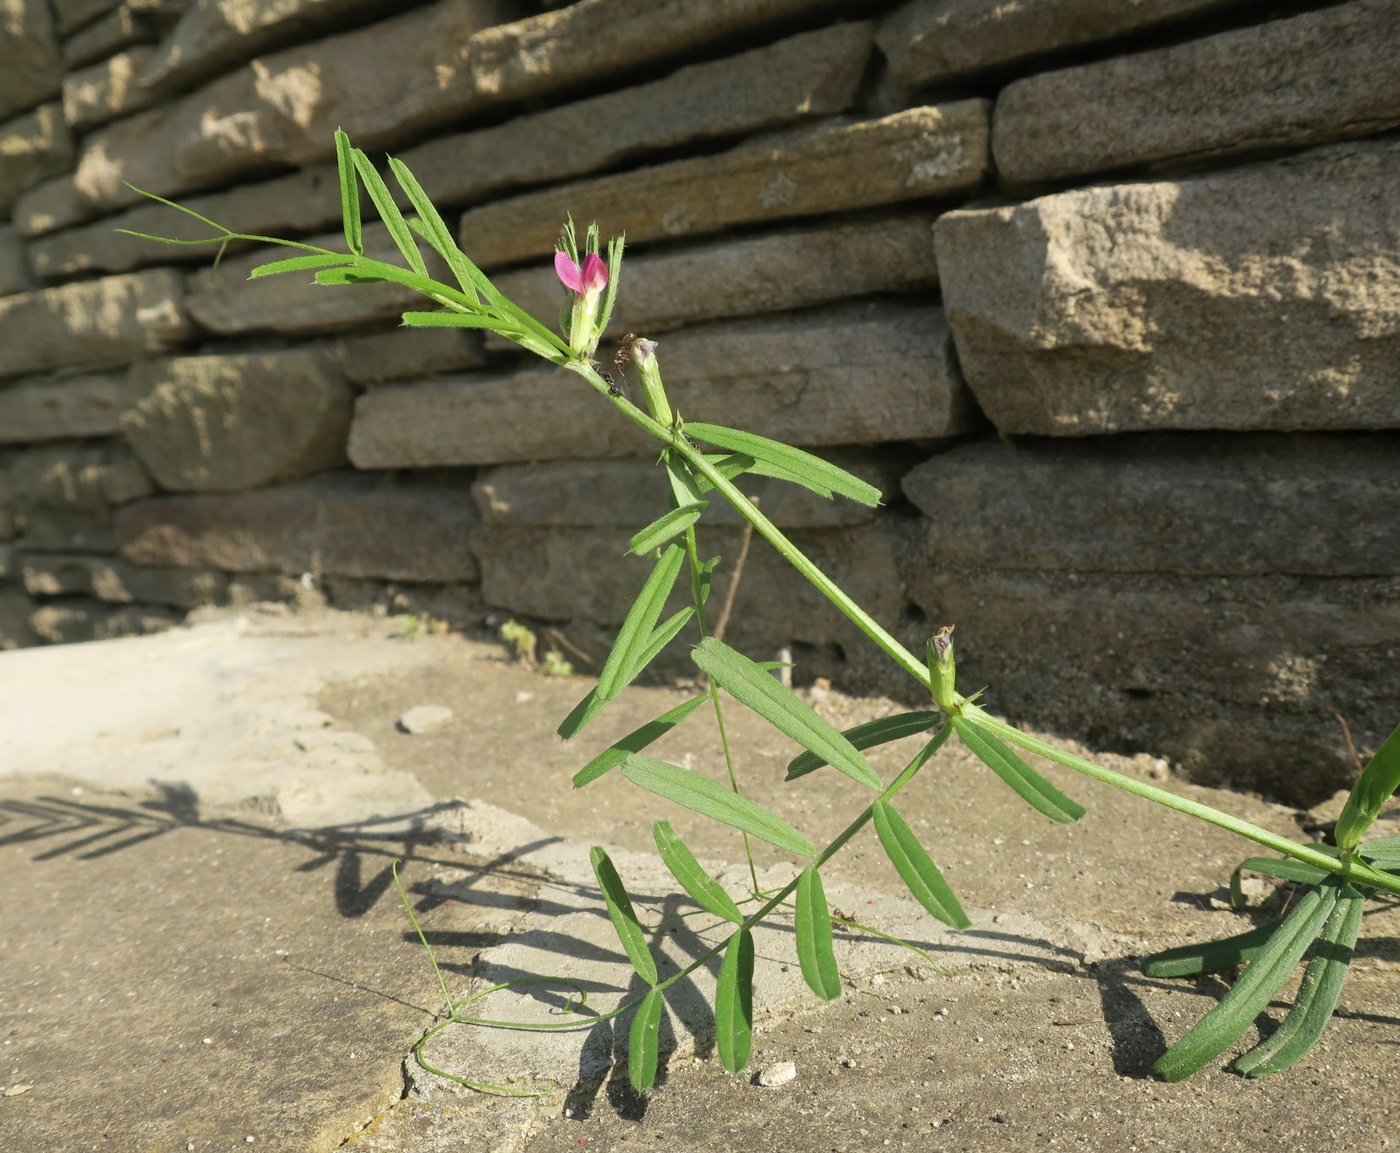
[
  {"x": 1325, "y": 75},
  {"x": 832, "y": 167},
  {"x": 379, "y": 83},
  {"x": 55, "y": 408},
  {"x": 7, "y": 506},
  {"x": 33, "y": 69},
  {"x": 812, "y": 74},
  {"x": 77, "y": 620},
  {"x": 52, "y": 204},
  {"x": 1217, "y": 673},
  {"x": 213, "y": 35},
  {"x": 71, "y": 15},
  {"x": 406, "y": 352},
  {"x": 64, "y": 494},
  {"x": 33, "y": 147},
  {"x": 15, "y": 611},
  {"x": 125, "y": 25},
  {"x": 7, "y": 563},
  {"x": 857, "y": 374},
  {"x": 752, "y": 275},
  {"x": 293, "y": 302},
  {"x": 114, "y": 319},
  {"x": 116, "y": 580},
  {"x": 933, "y": 41},
  {"x": 1256, "y": 298},
  {"x": 14, "y": 272},
  {"x": 228, "y": 423},
  {"x": 633, "y": 492},
  {"x": 112, "y": 88},
  {"x": 341, "y": 524},
  {"x": 304, "y": 201},
  {"x": 1204, "y": 505}
]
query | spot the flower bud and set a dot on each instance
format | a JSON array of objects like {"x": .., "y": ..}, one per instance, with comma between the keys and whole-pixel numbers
[
  {"x": 942, "y": 670},
  {"x": 644, "y": 357},
  {"x": 587, "y": 285}
]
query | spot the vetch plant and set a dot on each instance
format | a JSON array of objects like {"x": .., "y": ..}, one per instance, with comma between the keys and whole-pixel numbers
[{"x": 1321, "y": 928}]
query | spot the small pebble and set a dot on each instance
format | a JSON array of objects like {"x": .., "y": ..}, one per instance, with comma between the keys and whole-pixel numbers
[
  {"x": 16, "y": 1090},
  {"x": 424, "y": 718},
  {"x": 778, "y": 1074},
  {"x": 208, "y": 1040}
]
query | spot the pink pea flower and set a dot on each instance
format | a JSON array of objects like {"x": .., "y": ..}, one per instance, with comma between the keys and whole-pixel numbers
[{"x": 590, "y": 280}]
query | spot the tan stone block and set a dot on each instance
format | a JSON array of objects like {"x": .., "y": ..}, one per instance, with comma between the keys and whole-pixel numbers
[
  {"x": 811, "y": 74},
  {"x": 851, "y": 375},
  {"x": 104, "y": 91},
  {"x": 33, "y": 69},
  {"x": 340, "y": 524},
  {"x": 75, "y": 621},
  {"x": 118, "y": 581},
  {"x": 234, "y": 422},
  {"x": 32, "y": 147},
  {"x": 15, "y": 611},
  {"x": 55, "y": 408},
  {"x": 833, "y": 167},
  {"x": 47, "y": 206},
  {"x": 1252, "y": 298},
  {"x": 1320, "y": 76},
  {"x": 114, "y": 319}
]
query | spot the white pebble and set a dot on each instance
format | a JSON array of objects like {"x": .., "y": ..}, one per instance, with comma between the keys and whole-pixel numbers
[{"x": 779, "y": 1074}]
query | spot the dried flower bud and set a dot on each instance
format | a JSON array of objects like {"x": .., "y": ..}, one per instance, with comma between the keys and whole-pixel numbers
[{"x": 942, "y": 670}]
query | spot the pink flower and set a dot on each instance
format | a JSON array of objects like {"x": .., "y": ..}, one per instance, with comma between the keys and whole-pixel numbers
[{"x": 589, "y": 281}]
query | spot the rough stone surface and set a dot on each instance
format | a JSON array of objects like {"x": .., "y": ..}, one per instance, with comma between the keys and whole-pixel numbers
[
  {"x": 748, "y": 276},
  {"x": 213, "y": 35},
  {"x": 116, "y": 580},
  {"x": 64, "y": 494},
  {"x": 1321, "y": 76},
  {"x": 92, "y": 322},
  {"x": 33, "y": 69},
  {"x": 1200, "y": 505},
  {"x": 15, "y": 630},
  {"x": 77, "y": 620},
  {"x": 1258, "y": 298},
  {"x": 633, "y": 492},
  {"x": 934, "y": 41},
  {"x": 344, "y": 525},
  {"x": 52, "y": 204},
  {"x": 104, "y": 91},
  {"x": 856, "y": 374},
  {"x": 33, "y": 147},
  {"x": 831, "y": 167},
  {"x": 14, "y": 272},
  {"x": 294, "y": 303},
  {"x": 234, "y": 422},
  {"x": 125, "y": 25},
  {"x": 407, "y": 352},
  {"x": 293, "y": 205},
  {"x": 812, "y": 74},
  {"x": 1218, "y": 673},
  {"x": 285, "y": 108},
  {"x": 54, "y": 408}
]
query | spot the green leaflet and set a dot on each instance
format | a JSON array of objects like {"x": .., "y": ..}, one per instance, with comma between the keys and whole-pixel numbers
[
  {"x": 632, "y": 640},
  {"x": 1377, "y": 782},
  {"x": 1283, "y": 867},
  {"x": 660, "y": 637},
  {"x": 712, "y": 799},
  {"x": 635, "y": 742},
  {"x": 1317, "y": 995},
  {"x": 389, "y": 212},
  {"x": 624, "y": 917},
  {"x": 783, "y": 462},
  {"x": 912, "y": 863},
  {"x": 867, "y": 736},
  {"x": 672, "y": 524},
  {"x": 1383, "y": 851},
  {"x": 1209, "y": 956},
  {"x": 783, "y": 709},
  {"x": 812, "y": 926},
  {"x": 1219, "y": 1029},
  {"x": 349, "y": 193},
  {"x": 729, "y": 465},
  {"x": 734, "y": 1003},
  {"x": 704, "y": 890},
  {"x": 643, "y": 1042},
  {"x": 449, "y": 319},
  {"x": 432, "y": 228},
  {"x": 1029, "y": 785},
  {"x": 298, "y": 263}
]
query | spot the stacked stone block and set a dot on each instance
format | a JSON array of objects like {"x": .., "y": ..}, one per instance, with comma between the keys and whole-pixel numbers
[{"x": 1101, "y": 295}]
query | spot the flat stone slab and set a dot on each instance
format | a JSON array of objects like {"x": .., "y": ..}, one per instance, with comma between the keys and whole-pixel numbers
[{"x": 63, "y": 407}]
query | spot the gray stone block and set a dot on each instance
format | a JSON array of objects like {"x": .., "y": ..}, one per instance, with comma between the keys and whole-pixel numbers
[
  {"x": 107, "y": 90},
  {"x": 33, "y": 69},
  {"x": 77, "y": 620},
  {"x": 116, "y": 580},
  {"x": 93, "y": 322},
  {"x": 64, "y": 495},
  {"x": 1321, "y": 76},
  {"x": 62, "y": 407},
  {"x": 340, "y": 524},
  {"x": 15, "y": 611},
  {"x": 1203, "y": 505},
  {"x": 407, "y": 352},
  {"x": 71, "y": 15},
  {"x": 235, "y": 422},
  {"x": 123, "y": 26},
  {"x": 52, "y": 204},
  {"x": 857, "y": 374},
  {"x": 831, "y": 167},
  {"x": 33, "y": 147},
  {"x": 1243, "y": 299},
  {"x": 812, "y": 74},
  {"x": 14, "y": 272}
]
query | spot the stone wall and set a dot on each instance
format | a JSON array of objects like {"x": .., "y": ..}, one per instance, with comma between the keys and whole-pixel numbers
[{"x": 1104, "y": 295}]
